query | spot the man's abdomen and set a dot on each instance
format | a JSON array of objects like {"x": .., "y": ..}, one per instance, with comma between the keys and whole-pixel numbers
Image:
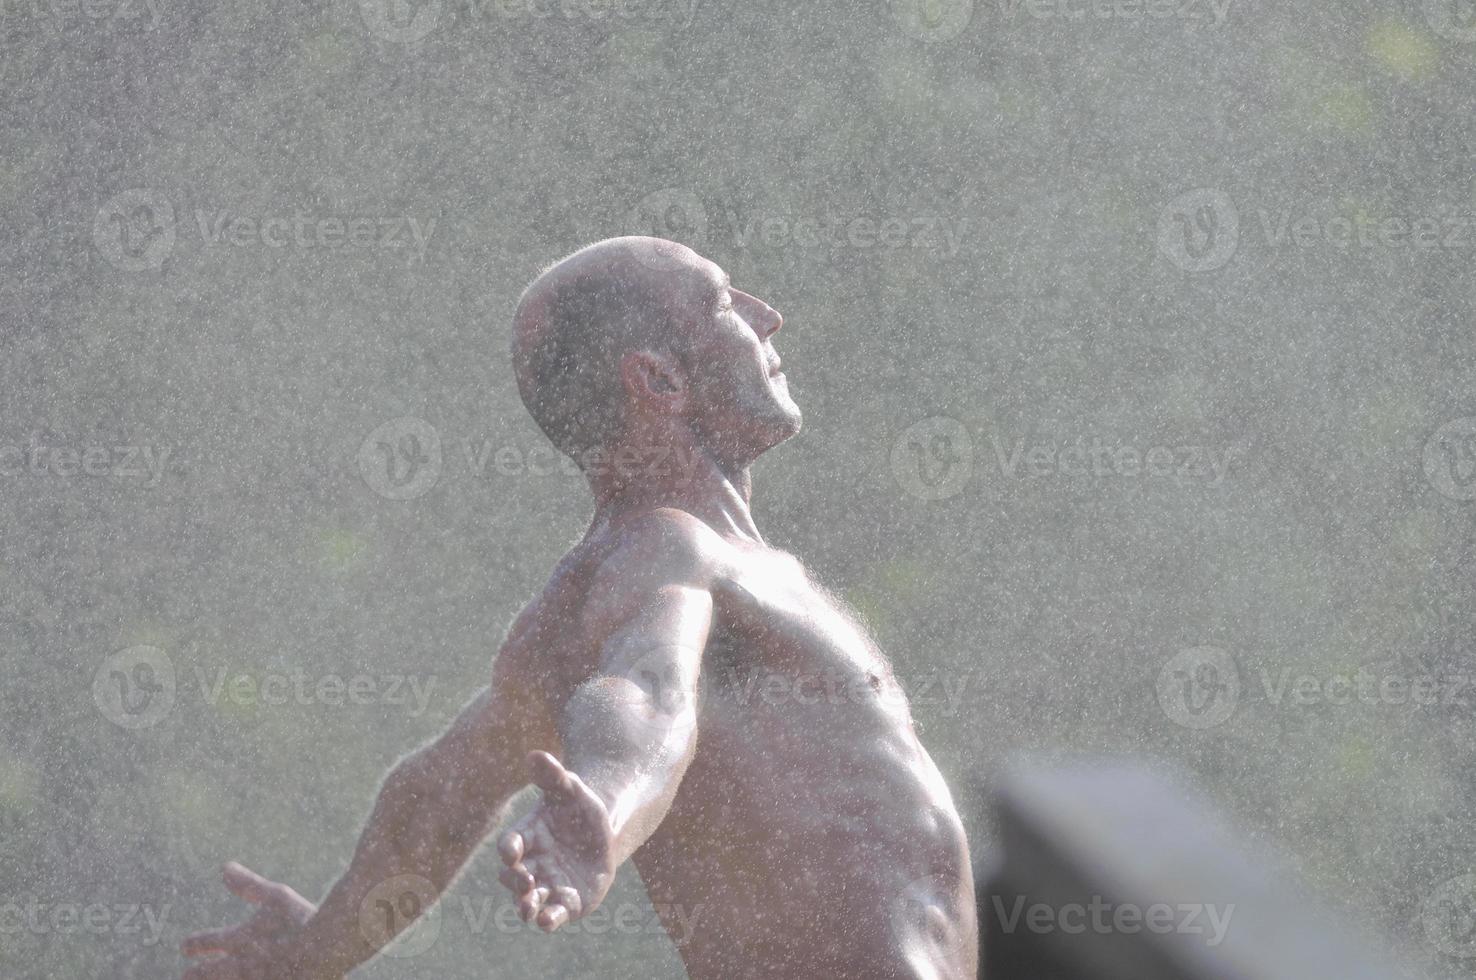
[{"x": 815, "y": 835}]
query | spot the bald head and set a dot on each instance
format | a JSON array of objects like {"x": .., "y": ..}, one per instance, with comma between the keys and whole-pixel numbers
[{"x": 575, "y": 321}]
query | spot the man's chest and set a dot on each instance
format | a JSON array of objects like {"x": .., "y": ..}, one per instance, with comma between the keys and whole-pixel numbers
[{"x": 778, "y": 631}]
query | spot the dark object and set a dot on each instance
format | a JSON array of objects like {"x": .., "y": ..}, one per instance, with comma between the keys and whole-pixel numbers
[{"x": 1110, "y": 872}]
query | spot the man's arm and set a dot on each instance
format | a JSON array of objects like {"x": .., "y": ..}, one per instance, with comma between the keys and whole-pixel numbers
[
  {"x": 629, "y": 733},
  {"x": 434, "y": 808}
]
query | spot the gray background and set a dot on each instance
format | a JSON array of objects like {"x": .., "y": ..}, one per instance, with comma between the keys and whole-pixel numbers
[{"x": 1176, "y": 229}]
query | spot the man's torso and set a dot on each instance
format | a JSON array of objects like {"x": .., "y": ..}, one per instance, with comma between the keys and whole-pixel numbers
[{"x": 812, "y": 831}]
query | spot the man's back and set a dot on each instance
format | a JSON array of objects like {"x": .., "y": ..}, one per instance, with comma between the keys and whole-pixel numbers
[{"x": 808, "y": 795}]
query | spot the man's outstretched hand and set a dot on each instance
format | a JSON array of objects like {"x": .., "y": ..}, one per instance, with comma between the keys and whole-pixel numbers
[
  {"x": 261, "y": 948},
  {"x": 561, "y": 857}
]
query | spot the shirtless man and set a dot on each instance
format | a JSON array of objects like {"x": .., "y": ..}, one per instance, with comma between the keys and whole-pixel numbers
[{"x": 682, "y": 693}]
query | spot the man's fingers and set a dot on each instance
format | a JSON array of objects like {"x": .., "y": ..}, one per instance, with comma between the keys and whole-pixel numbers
[
  {"x": 517, "y": 880},
  {"x": 531, "y": 903},
  {"x": 511, "y": 848},
  {"x": 209, "y": 941},
  {"x": 247, "y": 884},
  {"x": 549, "y": 774},
  {"x": 569, "y": 899},
  {"x": 552, "y": 916}
]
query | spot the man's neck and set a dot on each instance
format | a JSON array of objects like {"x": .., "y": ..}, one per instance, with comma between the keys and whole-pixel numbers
[{"x": 688, "y": 478}]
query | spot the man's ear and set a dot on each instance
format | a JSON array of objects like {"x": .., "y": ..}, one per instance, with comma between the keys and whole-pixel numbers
[{"x": 652, "y": 377}]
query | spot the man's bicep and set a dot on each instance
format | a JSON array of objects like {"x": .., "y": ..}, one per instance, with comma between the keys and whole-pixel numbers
[
  {"x": 668, "y": 627},
  {"x": 645, "y": 683},
  {"x": 630, "y": 730}
]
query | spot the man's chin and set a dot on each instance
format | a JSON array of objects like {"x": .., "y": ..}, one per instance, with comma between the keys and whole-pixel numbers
[
  {"x": 786, "y": 426},
  {"x": 769, "y": 422},
  {"x": 797, "y": 422}
]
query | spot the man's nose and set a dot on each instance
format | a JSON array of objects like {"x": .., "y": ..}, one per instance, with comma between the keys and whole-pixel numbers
[{"x": 765, "y": 319}]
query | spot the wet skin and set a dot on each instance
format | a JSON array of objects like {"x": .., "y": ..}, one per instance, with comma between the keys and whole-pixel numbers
[
  {"x": 811, "y": 834},
  {"x": 683, "y": 695}
]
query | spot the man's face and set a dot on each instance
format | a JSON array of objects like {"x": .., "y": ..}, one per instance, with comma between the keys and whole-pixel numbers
[{"x": 741, "y": 401}]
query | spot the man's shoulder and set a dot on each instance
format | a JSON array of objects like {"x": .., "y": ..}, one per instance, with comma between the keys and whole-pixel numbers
[
  {"x": 667, "y": 526},
  {"x": 614, "y": 573},
  {"x": 657, "y": 547},
  {"x": 637, "y": 558},
  {"x": 639, "y": 554}
]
